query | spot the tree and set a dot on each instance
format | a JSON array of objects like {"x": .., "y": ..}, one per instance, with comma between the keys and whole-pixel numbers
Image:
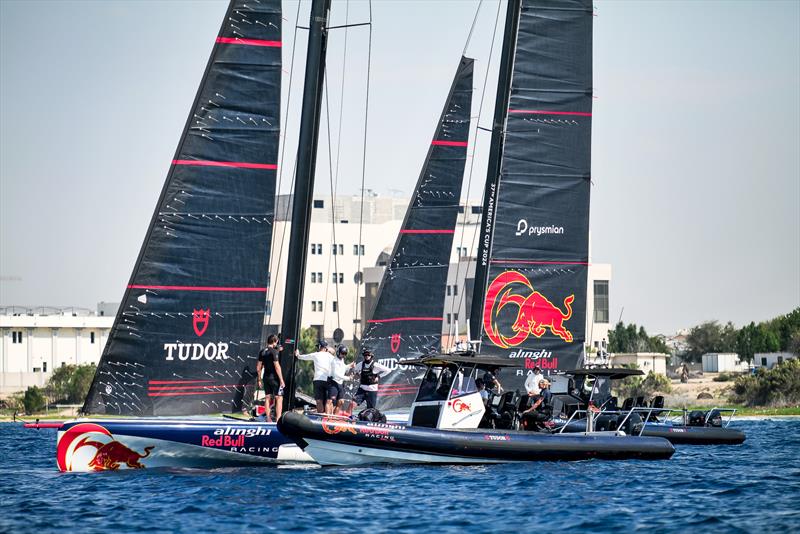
[
  {"x": 304, "y": 371},
  {"x": 704, "y": 338},
  {"x": 634, "y": 339},
  {"x": 79, "y": 383},
  {"x": 33, "y": 400}
]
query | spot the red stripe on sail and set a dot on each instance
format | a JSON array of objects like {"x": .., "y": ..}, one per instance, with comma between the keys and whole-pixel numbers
[
  {"x": 393, "y": 319},
  {"x": 200, "y": 288},
  {"x": 238, "y": 164},
  {"x": 526, "y": 262},
  {"x": 179, "y": 381},
  {"x": 200, "y": 387},
  {"x": 182, "y": 394},
  {"x": 448, "y": 143},
  {"x": 427, "y": 231},
  {"x": 249, "y": 42},
  {"x": 545, "y": 112}
]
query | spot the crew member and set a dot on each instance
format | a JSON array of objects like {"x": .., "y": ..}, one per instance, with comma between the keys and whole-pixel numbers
[
  {"x": 336, "y": 382},
  {"x": 370, "y": 373},
  {"x": 537, "y": 415},
  {"x": 532, "y": 382},
  {"x": 269, "y": 366},
  {"x": 323, "y": 363},
  {"x": 482, "y": 389},
  {"x": 493, "y": 385}
]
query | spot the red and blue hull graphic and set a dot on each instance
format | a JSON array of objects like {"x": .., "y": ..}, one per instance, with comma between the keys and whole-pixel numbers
[{"x": 112, "y": 444}]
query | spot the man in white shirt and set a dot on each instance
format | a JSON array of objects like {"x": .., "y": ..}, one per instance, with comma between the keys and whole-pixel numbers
[
  {"x": 369, "y": 373},
  {"x": 338, "y": 375},
  {"x": 323, "y": 367},
  {"x": 532, "y": 382}
]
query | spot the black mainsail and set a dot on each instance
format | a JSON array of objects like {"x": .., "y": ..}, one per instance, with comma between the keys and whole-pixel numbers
[
  {"x": 188, "y": 330},
  {"x": 535, "y": 302},
  {"x": 406, "y": 321}
]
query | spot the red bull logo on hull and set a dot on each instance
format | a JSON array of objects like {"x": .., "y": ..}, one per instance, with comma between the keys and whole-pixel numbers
[
  {"x": 91, "y": 447},
  {"x": 536, "y": 314}
]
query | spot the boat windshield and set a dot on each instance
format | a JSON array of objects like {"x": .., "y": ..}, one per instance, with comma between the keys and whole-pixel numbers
[
  {"x": 464, "y": 382},
  {"x": 437, "y": 382}
]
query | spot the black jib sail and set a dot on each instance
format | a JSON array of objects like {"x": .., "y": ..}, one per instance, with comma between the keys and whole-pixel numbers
[
  {"x": 188, "y": 330},
  {"x": 535, "y": 301},
  {"x": 406, "y": 321}
]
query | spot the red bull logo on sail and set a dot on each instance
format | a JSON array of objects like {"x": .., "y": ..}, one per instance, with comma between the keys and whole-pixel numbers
[{"x": 536, "y": 314}]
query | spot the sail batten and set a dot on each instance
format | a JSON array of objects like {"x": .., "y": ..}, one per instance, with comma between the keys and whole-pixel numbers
[
  {"x": 406, "y": 320},
  {"x": 193, "y": 310}
]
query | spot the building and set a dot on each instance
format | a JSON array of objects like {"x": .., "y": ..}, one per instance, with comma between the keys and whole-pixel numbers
[
  {"x": 770, "y": 359},
  {"x": 723, "y": 362},
  {"x": 646, "y": 361},
  {"x": 35, "y": 341}
]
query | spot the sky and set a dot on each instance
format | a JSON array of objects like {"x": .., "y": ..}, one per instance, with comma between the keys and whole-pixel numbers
[{"x": 696, "y": 138}]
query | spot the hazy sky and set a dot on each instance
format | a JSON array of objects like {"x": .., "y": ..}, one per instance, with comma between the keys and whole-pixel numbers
[{"x": 696, "y": 140}]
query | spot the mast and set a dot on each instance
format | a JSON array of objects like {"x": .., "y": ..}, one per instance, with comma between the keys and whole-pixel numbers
[
  {"x": 495, "y": 163},
  {"x": 304, "y": 189}
]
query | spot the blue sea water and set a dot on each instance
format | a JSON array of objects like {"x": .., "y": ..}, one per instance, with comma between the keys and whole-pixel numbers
[{"x": 751, "y": 487}]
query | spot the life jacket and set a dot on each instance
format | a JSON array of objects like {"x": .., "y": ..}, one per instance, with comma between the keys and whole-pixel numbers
[{"x": 368, "y": 376}]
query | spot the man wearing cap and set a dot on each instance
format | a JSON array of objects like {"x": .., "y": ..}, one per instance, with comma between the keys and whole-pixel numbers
[
  {"x": 537, "y": 415},
  {"x": 323, "y": 364},
  {"x": 370, "y": 373},
  {"x": 532, "y": 382}
]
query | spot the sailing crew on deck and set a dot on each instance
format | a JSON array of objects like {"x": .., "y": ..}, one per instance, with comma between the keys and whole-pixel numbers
[
  {"x": 339, "y": 371},
  {"x": 323, "y": 363},
  {"x": 532, "y": 382},
  {"x": 493, "y": 385},
  {"x": 269, "y": 363},
  {"x": 370, "y": 373},
  {"x": 537, "y": 416}
]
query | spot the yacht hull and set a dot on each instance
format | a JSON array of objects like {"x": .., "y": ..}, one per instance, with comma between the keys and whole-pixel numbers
[{"x": 111, "y": 444}]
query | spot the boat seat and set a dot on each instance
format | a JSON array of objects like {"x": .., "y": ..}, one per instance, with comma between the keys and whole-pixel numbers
[
  {"x": 658, "y": 402},
  {"x": 640, "y": 402},
  {"x": 628, "y": 404}
]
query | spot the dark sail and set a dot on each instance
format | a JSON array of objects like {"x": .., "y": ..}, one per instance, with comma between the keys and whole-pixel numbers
[
  {"x": 535, "y": 301},
  {"x": 406, "y": 321},
  {"x": 187, "y": 332}
]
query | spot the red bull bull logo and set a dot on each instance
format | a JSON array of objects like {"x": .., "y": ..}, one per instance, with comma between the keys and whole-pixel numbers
[
  {"x": 91, "y": 447},
  {"x": 535, "y": 313}
]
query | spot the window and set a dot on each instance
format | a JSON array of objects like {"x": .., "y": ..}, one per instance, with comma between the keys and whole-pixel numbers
[
  {"x": 341, "y": 278},
  {"x": 319, "y": 248},
  {"x": 313, "y": 305},
  {"x": 780, "y": 359},
  {"x": 448, "y": 318},
  {"x": 601, "y": 301},
  {"x": 319, "y": 203},
  {"x": 763, "y": 362},
  {"x": 361, "y": 249},
  {"x": 476, "y": 209},
  {"x": 461, "y": 209},
  {"x": 269, "y": 307},
  {"x": 448, "y": 291},
  {"x": 341, "y": 249},
  {"x": 319, "y": 277},
  {"x": 333, "y": 249},
  {"x": 358, "y": 250},
  {"x": 44, "y": 367},
  {"x": 91, "y": 337},
  {"x": 313, "y": 248},
  {"x": 455, "y": 290},
  {"x": 335, "y": 306},
  {"x": 455, "y": 317},
  {"x": 16, "y": 336},
  {"x": 333, "y": 277},
  {"x": 462, "y": 252},
  {"x": 319, "y": 305},
  {"x": 313, "y": 278}
]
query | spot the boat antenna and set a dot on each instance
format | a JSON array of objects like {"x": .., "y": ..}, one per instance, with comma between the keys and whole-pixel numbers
[{"x": 304, "y": 188}]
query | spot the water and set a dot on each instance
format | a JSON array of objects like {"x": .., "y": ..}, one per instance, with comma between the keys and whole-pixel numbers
[{"x": 752, "y": 487}]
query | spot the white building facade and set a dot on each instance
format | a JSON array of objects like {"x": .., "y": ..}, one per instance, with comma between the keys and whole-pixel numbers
[{"x": 34, "y": 342}]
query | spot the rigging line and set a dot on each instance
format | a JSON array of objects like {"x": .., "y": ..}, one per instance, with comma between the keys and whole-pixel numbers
[
  {"x": 274, "y": 268},
  {"x": 334, "y": 256},
  {"x": 472, "y": 28},
  {"x": 363, "y": 170},
  {"x": 341, "y": 92},
  {"x": 453, "y": 306}
]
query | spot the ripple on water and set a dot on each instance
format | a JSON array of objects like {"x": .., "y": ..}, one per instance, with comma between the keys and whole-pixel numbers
[{"x": 752, "y": 487}]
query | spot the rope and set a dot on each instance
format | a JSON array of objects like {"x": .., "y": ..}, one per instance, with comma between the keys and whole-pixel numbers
[
  {"x": 472, "y": 28},
  {"x": 364, "y": 166},
  {"x": 334, "y": 256},
  {"x": 453, "y": 306},
  {"x": 273, "y": 269}
]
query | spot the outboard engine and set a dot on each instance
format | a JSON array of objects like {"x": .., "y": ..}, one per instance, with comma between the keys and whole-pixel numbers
[
  {"x": 697, "y": 418},
  {"x": 633, "y": 426},
  {"x": 714, "y": 418}
]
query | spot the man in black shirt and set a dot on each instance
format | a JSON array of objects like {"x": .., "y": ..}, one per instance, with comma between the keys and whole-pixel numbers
[{"x": 269, "y": 364}]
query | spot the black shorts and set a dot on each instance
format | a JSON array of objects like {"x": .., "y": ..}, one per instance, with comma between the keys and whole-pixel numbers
[
  {"x": 363, "y": 395},
  {"x": 320, "y": 389},
  {"x": 335, "y": 391},
  {"x": 272, "y": 386}
]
